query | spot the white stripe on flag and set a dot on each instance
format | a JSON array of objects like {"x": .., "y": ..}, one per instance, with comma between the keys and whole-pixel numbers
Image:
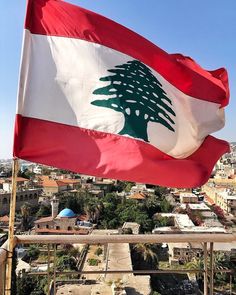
[{"x": 62, "y": 75}]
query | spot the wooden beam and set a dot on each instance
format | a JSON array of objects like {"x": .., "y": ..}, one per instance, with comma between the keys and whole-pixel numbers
[
  {"x": 10, "y": 248},
  {"x": 3, "y": 257},
  {"x": 211, "y": 269},
  {"x": 134, "y": 239},
  {"x": 205, "y": 270},
  {"x": 122, "y": 271}
]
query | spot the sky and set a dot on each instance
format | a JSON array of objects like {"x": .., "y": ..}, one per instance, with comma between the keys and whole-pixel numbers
[{"x": 203, "y": 30}]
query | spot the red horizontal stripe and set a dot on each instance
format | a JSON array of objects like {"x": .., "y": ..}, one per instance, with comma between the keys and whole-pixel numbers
[
  {"x": 111, "y": 156},
  {"x": 58, "y": 18}
]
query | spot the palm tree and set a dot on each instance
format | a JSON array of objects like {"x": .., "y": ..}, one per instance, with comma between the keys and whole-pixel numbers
[
  {"x": 144, "y": 256},
  {"x": 198, "y": 264}
]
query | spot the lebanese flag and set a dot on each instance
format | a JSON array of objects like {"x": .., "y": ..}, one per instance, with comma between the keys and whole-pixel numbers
[{"x": 99, "y": 99}]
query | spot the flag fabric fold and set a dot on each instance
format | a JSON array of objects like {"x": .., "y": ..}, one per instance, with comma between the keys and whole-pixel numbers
[{"x": 99, "y": 99}]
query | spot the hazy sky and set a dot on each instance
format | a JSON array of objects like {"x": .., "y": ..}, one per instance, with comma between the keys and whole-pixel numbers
[{"x": 204, "y": 30}]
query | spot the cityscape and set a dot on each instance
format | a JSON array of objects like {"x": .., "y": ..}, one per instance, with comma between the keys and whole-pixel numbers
[{"x": 56, "y": 202}]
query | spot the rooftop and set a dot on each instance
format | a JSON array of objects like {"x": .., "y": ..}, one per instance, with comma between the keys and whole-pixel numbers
[
  {"x": 44, "y": 219},
  {"x": 138, "y": 196},
  {"x": 200, "y": 206},
  {"x": 68, "y": 213},
  {"x": 61, "y": 231}
]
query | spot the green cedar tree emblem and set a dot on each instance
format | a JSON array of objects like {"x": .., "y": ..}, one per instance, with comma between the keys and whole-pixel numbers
[{"x": 139, "y": 96}]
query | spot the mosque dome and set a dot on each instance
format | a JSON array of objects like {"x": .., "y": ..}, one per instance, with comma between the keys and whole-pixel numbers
[{"x": 67, "y": 213}]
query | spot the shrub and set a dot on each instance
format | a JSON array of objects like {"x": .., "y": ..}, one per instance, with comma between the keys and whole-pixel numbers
[
  {"x": 93, "y": 261},
  {"x": 98, "y": 251}
]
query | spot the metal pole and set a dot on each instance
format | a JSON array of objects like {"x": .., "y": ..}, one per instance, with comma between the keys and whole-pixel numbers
[
  {"x": 205, "y": 270},
  {"x": 10, "y": 248},
  {"x": 107, "y": 256},
  {"x": 48, "y": 269},
  {"x": 211, "y": 269},
  {"x": 54, "y": 270}
]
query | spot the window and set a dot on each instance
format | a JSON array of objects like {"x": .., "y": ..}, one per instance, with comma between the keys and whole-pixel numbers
[
  {"x": 35, "y": 196},
  {"x": 69, "y": 228},
  {"x": 47, "y": 226},
  {"x": 21, "y": 198},
  {"x": 4, "y": 201},
  {"x": 57, "y": 227}
]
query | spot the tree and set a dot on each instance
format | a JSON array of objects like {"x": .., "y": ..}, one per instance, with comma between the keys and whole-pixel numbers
[
  {"x": 160, "y": 191},
  {"x": 196, "y": 263},
  {"x": 161, "y": 221},
  {"x": 32, "y": 254},
  {"x": 29, "y": 285},
  {"x": 152, "y": 205},
  {"x": 165, "y": 206},
  {"x": 66, "y": 262},
  {"x": 44, "y": 210},
  {"x": 25, "y": 213},
  {"x": 138, "y": 95},
  {"x": 144, "y": 256}
]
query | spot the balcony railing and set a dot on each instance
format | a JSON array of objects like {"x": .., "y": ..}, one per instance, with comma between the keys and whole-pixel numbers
[{"x": 207, "y": 241}]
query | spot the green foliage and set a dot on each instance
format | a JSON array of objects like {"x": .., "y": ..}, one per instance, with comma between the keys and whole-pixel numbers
[
  {"x": 74, "y": 252},
  {"x": 28, "y": 285},
  {"x": 144, "y": 256},
  {"x": 165, "y": 206},
  {"x": 44, "y": 210},
  {"x": 32, "y": 254},
  {"x": 98, "y": 251},
  {"x": 161, "y": 221},
  {"x": 93, "y": 261},
  {"x": 160, "y": 191},
  {"x": 75, "y": 203},
  {"x": 128, "y": 186},
  {"x": 152, "y": 205},
  {"x": 26, "y": 174},
  {"x": 66, "y": 263}
]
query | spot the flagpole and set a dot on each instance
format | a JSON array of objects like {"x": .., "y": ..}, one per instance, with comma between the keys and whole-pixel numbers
[{"x": 10, "y": 248}]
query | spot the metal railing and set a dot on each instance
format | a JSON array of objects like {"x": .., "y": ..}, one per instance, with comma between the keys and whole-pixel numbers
[{"x": 207, "y": 241}]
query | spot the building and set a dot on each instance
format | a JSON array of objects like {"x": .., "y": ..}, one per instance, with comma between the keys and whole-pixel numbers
[
  {"x": 137, "y": 196},
  {"x": 30, "y": 196},
  {"x": 66, "y": 222},
  {"x": 6, "y": 184},
  {"x": 37, "y": 170},
  {"x": 52, "y": 186},
  {"x": 133, "y": 226},
  {"x": 140, "y": 188},
  {"x": 227, "y": 201},
  {"x": 188, "y": 198},
  {"x": 184, "y": 252}
]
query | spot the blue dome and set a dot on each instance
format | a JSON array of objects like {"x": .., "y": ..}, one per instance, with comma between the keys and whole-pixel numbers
[{"x": 66, "y": 213}]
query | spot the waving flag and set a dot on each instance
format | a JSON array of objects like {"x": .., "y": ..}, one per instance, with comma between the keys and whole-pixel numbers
[{"x": 99, "y": 99}]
